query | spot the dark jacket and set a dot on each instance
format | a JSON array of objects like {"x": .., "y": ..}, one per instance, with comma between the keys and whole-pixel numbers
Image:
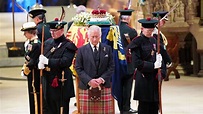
[
  {"x": 125, "y": 28},
  {"x": 144, "y": 56},
  {"x": 86, "y": 67},
  {"x": 60, "y": 53},
  {"x": 32, "y": 52}
]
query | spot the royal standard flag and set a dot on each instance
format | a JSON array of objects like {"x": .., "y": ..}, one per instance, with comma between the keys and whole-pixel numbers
[{"x": 112, "y": 37}]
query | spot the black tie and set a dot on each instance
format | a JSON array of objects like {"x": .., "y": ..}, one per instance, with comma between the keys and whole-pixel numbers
[{"x": 96, "y": 56}]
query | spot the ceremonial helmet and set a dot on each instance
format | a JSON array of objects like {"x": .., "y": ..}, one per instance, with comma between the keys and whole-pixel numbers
[{"x": 36, "y": 9}]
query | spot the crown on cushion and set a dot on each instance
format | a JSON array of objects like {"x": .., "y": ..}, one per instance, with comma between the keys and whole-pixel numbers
[{"x": 99, "y": 13}]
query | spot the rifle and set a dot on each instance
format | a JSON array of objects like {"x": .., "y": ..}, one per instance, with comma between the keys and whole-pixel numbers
[
  {"x": 159, "y": 70},
  {"x": 34, "y": 92},
  {"x": 62, "y": 87}
]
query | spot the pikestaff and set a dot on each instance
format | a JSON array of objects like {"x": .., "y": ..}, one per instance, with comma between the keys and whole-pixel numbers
[
  {"x": 158, "y": 49},
  {"x": 172, "y": 9},
  {"x": 41, "y": 71},
  {"x": 159, "y": 70}
]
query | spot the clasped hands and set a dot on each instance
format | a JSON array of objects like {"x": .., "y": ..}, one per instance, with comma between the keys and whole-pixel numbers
[
  {"x": 42, "y": 61},
  {"x": 158, "y": 61},
  {"x": 94, "y": 83}
]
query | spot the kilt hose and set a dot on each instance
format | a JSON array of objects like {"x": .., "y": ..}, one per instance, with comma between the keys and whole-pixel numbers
[{"x": 103, "y": 106}]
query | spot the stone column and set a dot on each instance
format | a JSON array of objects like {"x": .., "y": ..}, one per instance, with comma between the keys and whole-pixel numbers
[{"x": 201, "y": 13}]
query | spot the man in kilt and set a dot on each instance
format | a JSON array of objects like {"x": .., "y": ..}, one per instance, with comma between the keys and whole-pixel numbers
[{"x": 95, "y": 66}]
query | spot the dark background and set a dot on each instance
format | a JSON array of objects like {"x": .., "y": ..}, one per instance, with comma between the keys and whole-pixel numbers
[{"x": 6, "y": 5}]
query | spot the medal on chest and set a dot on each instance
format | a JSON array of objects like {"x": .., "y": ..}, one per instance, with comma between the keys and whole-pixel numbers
[
  {"x": 153, "y": 50},
  {"x": 29, "y": 47}
]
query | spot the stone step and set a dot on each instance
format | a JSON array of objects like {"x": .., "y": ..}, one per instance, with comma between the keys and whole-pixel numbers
[
  {"x": 3, "y": 51},
  {"x": 6, "y": 61},
  {"x": 11, "y": 61}
]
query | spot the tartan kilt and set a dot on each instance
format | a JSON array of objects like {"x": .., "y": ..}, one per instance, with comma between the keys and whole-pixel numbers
[{"x": 103, "y": 106}]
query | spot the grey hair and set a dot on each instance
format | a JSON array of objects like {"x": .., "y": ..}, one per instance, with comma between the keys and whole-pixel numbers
[
  {"x": 94, "y": 28},
  {"x": 80, "y": 9},
  {"x": 125, "y": 17}
]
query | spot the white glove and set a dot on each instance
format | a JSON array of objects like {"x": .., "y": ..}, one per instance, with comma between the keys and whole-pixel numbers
[
  {"x": 169, "y": 65},
  {"x": 43, "y": 59},
  {"x": 40, "y": 65},
  {"x": 158, "y": 57},
  {"x": 157, "y": 64},
  {"x": 22, "y": 74},
  {"x": 158, "y": 61}
]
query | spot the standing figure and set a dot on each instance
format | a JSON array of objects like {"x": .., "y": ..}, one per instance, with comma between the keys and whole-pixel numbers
[
  {"x": 127, "y": 34},
  {"x": 95, "y": 66},
  {"x": 32, "y": 52},
  {"x": 56, "y": 60},
  {"x": 163, "y": 40},
  {"x": 37, "y": 13},
  {"x": 147, "y": 62}
]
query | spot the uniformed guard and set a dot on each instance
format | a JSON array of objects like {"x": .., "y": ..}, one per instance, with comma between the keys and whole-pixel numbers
[
  {"x": 163, "y": 40},
  {"x": 147, "y": 62},
  {"x": 37, "y": 13},
  {"x": 30, "y": 70},
  {"x": 127, "y": 34},
  {"x": 56, "y": 60}
]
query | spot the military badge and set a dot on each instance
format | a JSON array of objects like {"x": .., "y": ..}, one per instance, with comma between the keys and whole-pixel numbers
[
  {"x": 154, "y": 46},
  {"x": 53, "y": 49}
]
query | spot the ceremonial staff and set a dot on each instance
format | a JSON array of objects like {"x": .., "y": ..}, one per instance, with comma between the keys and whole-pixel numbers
[
  {"x": 159, "y": 70},
  {"x": 41, "y": 70},
  {"x": 41, "y": 73},
  {"x": 173, "y": 8},
  {"x": 34, "y": 92}
]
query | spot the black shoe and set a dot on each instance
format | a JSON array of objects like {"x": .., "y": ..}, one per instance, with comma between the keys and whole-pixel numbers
[{"x": 131, "y": 111}]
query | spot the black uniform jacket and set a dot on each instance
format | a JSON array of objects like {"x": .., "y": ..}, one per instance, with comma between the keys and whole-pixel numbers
[
  {"x": 144, "y": 56},
  {"x": 32, "y": 53},
  {"x": 86, "y": 66},
  {"x": 126, "y": 29},
  {"x": 60, "y": 53}
]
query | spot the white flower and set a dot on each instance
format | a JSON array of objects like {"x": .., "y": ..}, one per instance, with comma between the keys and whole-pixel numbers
[{"x": 81, "y": 19}]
